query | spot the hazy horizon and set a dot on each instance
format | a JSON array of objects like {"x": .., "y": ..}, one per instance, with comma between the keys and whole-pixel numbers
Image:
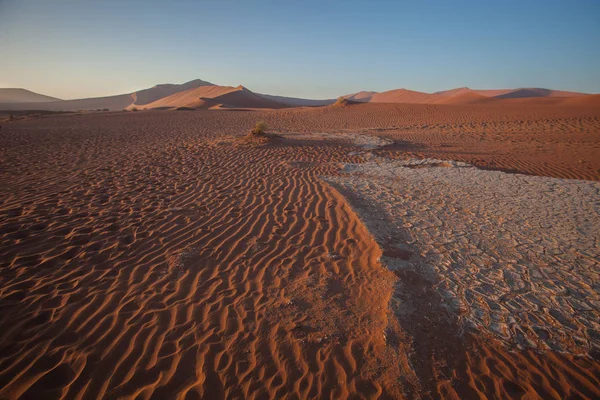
[{"x": 76, "y": 49}]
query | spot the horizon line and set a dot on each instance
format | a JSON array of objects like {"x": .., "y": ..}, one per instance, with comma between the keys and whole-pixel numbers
[{"x": 292, "y": 96}]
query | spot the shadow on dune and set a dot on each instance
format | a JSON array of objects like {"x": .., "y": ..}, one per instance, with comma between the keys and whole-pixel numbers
[{"x": 523, "y": 93}]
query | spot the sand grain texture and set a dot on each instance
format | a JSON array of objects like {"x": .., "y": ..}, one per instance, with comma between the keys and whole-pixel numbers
[
  {"x": 138, "y": 260},
  {"x": 157, "y": 255}
]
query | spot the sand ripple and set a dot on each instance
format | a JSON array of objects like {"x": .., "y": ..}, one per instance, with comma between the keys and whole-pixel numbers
[
  {"x": 193, "y": 269},
  {"x": 155, "y": 255}
]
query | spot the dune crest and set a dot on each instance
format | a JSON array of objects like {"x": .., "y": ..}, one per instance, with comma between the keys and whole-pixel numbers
[
  {"x": 465, "y": 95},
  {"x": 18, "y": 95},
  {"x": 113, "y": 103},
  {"x": 227, "y": 97},
  {"x": 215, "y": 97}
]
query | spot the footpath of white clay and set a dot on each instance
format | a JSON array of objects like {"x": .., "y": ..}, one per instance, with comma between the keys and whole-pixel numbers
[{"x": 512, "y": 255}]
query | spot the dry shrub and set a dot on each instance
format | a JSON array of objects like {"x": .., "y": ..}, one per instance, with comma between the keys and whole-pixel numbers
[
  {"x": 259, "y": 129},
  {"x": 342, "y": 101}
]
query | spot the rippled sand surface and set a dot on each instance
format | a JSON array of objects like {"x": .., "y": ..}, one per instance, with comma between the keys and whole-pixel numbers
[{"x": 159, "y": 255}]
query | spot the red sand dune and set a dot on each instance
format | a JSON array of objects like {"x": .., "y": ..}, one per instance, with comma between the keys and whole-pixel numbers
[
  {"x": 538, "y": 92},
  {"x": 215, "y": 97},
  {"x": 511, "y": 93},
  {"x": 403, "y": 96},
  {"x": 462, "y": 97},
  {"x": 163, "y": 96},
  {"x": 157, "y": 92},
  {"x": 484, "y": 92},
  {"x": 590, "y": 100},
  {"x": 465, "y": 95}
]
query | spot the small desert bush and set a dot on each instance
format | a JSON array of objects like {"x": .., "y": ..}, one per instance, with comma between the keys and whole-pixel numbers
[
  {"x": 134, "y": 109},
  {"x": 341, "y": 101},
  {"x": 259, "y": 128}
]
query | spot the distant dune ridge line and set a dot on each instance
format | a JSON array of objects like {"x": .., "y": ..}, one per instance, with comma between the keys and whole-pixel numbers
[
  {"x": 117, "y": 102},
  {"x": 17, "y": 95},
  {"x": 466, "y": 95},
  {"x": 199, "y": 94}
]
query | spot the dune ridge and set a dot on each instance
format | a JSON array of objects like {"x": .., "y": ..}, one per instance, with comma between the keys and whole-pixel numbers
[
  {"x": 297, "y": 102},
  {"x": 17, "y": 95},
  {"x": 465, "y": 95},
  {"x": 113, "y": 103},
  {"x": 162, "y": 96},
  {"x": 215, "y": 97}
]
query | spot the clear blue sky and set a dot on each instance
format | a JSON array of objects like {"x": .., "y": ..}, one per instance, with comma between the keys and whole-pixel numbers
[{"x": 315, "y": 49}]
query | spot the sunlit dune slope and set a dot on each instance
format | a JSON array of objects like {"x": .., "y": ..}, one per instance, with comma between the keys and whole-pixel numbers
[{"x": 215, "y": 97}]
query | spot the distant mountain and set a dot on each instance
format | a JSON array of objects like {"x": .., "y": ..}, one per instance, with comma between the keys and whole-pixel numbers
[{"x": 16, "y": 95}]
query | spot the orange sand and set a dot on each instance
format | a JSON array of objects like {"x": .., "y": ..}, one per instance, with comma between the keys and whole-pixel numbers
[{"x": 154, "y": 254}]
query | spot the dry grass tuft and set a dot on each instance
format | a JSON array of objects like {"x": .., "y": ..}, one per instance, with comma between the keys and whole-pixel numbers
[
  {"x": 258, "y": 135},
  {"x": 259, "y": 129},
  {"x": 342, "y": 102}
]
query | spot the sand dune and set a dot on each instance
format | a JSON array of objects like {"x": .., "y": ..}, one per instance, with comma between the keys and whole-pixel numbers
[
  {"x": 403, "y": 96},
  {"x": 511, "y": 93},
  {"x": 461, "y": 90},
  {"x": 113, "y": 103},
  {"x": 297, "y": 102},
  {"x": 461, "y": 97},
  {"x": 226, "y": 97},
  {"x": 591, "y": 100},
  {"x": 465, "y": 95},
  {"x": 523, "y": 101},
  {"x": 541, "y": 101},
  {"x": 537, "y": 92},
  {"x": 9, "y": 95},
  {"x": 361, "y": 96},
  {"x": 215, "y": 97},
  {"x": 157, "y": 92}
]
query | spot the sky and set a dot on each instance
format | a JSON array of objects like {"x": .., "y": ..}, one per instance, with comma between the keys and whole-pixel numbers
[{"x": 303, "y": 48}]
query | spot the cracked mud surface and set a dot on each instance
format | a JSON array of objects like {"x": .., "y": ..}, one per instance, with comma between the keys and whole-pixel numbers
[{"x": 514, "y": 255}]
